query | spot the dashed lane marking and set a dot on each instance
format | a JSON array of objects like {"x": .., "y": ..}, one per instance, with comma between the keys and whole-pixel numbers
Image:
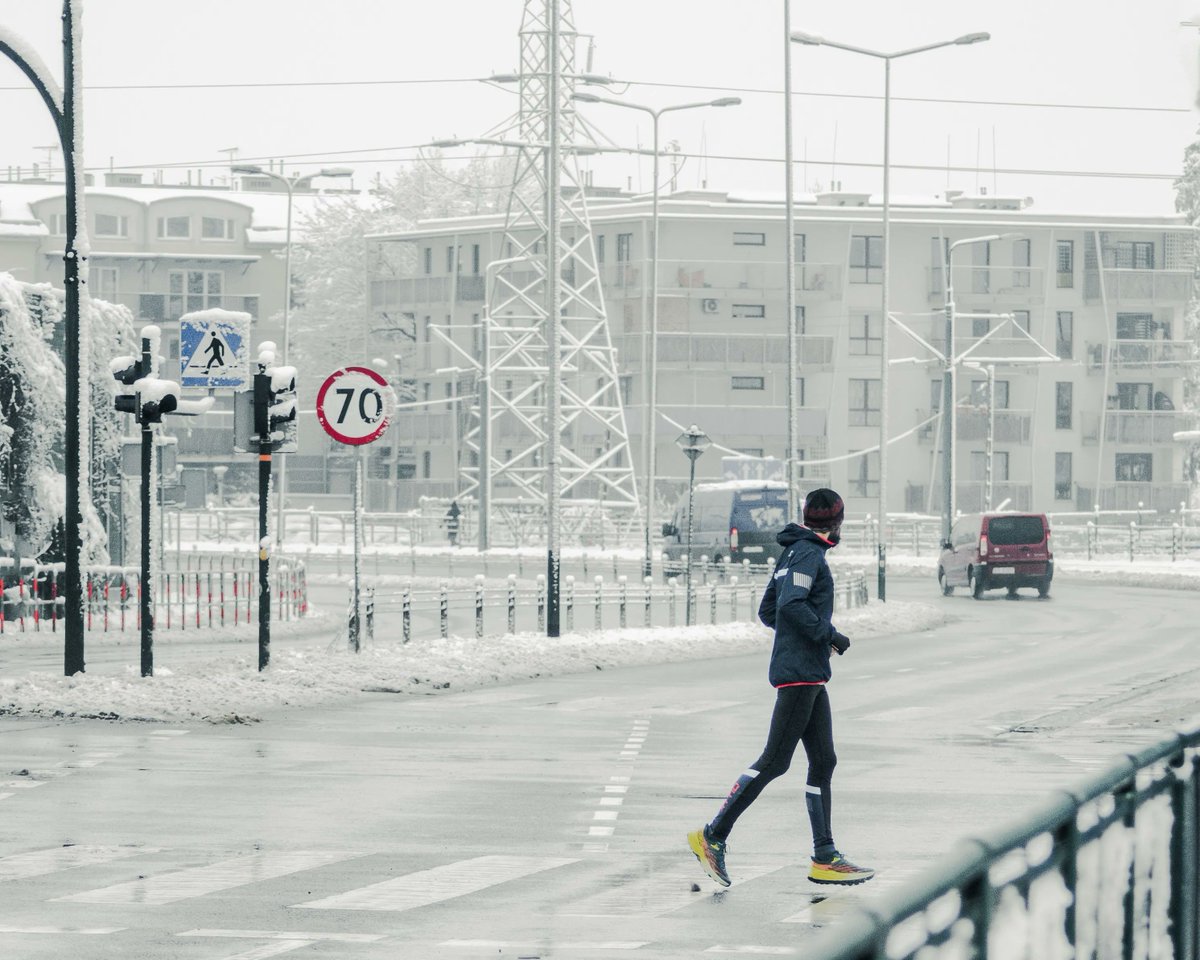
[
  {"x": 199, "y": 881},
  {"x": 284, "y": 935},
  {"x": 513, "y": 945},
  {"x": 439, "y": 883},
  {"x": 265, "y": 950},
  {"x": 37, "y": 863}
]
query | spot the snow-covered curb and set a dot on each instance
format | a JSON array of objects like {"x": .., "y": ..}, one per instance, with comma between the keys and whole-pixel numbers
[{"x": 232, "y": 690}]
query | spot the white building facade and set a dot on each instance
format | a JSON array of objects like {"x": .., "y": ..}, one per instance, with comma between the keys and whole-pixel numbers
[{"x": 1087, "y": 347}]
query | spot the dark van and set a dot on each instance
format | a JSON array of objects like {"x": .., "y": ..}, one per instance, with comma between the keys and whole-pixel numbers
[
  {"x": 990, "y": 551},
  {"x": 737, "y": 519}
]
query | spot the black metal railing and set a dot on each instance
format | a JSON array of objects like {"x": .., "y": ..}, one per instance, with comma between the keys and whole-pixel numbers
[{"x": 1108, "y": 869}]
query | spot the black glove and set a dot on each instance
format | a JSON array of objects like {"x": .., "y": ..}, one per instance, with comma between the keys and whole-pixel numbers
[{"x": 840, "y": 642}]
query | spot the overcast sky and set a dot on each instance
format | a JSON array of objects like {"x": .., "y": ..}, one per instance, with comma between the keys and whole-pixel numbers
[{"x": 361, "y": 82}]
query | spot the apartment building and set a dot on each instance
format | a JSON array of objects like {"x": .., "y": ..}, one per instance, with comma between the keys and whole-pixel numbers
[
  {"x": 1080, "y": 318},
  {"x": 163, "y": 251}
]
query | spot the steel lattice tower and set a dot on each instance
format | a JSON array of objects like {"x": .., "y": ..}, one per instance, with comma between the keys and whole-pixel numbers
[{"x": 547, "y": 255}]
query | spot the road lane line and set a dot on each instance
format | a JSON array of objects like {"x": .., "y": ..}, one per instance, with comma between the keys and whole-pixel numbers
[
  {"x": 611, "y": 801},
  {"x": 439, "y": 883},
  {"x": 37, "y": 863},
  {"x": 85, "y": 931},
  {"x": 613, "y": 788},
  {"x": 264, "y": 950},
  {"x": 284, "y": 935},
  {"x": 199, "y": 881}
]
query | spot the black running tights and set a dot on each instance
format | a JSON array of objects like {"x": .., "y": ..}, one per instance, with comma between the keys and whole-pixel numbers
[{"x": 801, "y": 715}]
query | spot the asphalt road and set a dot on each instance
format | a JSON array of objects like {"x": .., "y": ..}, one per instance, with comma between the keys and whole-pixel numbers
[{"x": 548, "y": 818}]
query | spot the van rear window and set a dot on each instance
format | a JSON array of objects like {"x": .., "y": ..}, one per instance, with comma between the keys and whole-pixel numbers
[
  {"x": 761, "y": 510},
  {"x": 1013, "y": 530}
]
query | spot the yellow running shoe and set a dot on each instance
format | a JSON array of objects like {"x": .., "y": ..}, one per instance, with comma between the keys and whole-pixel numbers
[
  {"x": 839, "y": 870},
  {"x": 711, "y": 854}
]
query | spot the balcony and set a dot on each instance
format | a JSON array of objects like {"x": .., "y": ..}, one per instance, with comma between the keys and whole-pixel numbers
[
  {"x": 164, "y": 308},
  {"x": 1139, "y": 427},
  {"x": 1122, "y": 284},
  {"x": 720, "y": 350},
  {"x": 719, "y": 279},
  {"x": 1026, "y": 284},
  {"x": 1122, "y": 495},
  {"x": 1164, "y": 356},
  {"x": 1012, "y": 426}
]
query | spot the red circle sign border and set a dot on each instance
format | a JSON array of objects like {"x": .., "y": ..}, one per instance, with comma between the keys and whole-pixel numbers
[{"x": 329, "y": 428}]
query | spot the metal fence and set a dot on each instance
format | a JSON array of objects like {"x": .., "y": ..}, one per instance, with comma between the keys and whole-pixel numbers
[
  {"x": 207, "y": 592},
  {"x": 599, "y": 604},
  {"x": 1106, "y": 870}
]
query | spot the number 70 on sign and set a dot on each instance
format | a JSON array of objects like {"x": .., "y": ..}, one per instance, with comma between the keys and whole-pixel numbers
[{"x": 355, "y": 405}]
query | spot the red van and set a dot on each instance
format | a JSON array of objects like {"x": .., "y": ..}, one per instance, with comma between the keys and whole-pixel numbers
[{"x": 990, "y": 551}]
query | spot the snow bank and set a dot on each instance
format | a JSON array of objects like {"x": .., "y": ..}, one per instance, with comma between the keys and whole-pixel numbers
[{"x": 228, "y": 690}]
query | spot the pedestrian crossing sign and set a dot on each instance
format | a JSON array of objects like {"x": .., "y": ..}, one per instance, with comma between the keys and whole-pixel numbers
[{"x": 214, "y": 349}]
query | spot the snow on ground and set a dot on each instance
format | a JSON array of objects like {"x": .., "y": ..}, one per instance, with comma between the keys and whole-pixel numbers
[{"x": 229, "y": 688}]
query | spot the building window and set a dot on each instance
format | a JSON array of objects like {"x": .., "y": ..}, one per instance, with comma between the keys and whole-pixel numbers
[
  {"x": 749, "y": 311},
  {"x": 450, "y": 260},
  {"x": 475, "y": 259},
  {"x": 427, "y": 260},
  {"x": 1064, "y": 334},
  {"x": 1135, "y": 326},
  {"x": 216, "y": 228},
  {"x": 600, "y": 250},
  {"x": 936, "y": 389},
  {"x": 1133, "y": 255},
  {"x": 449, "y": 387},
  {"x": 1064, "y": 402},
  {"x": 1021, "y": 319},
  {"x": 111, "y": 225},
  {"x": 1062, "y": 476},
  {"x": 742, "y": 238},
  {"x": 1065, "y": 263},
  {"x": 866, "y": 259},
  {"x": 426, "y": 463},
  {"x": 174, "y": 228},
  {"x": 801, "y": 247},
  {"x": 981, "y": 267},
  {"x": 800, "y": 320},
  {"x": 1135, "y": 467},
  {"x": 864, "y": 475},
  {"x": 1134, "y": 396},
  {"x": 426, "y": 391},
  {"x": 979, "y": 464},
  {"x": 190, "y": 290},
  {"x": 799, "y": 391},
  {"x": 864, "y": 403},
  {"x": 750, "y": 451},
  {"x": 427, "y": 329},
  {"x": 979, "y": 393},
  {"x": 1021, "y": 258},
  {"x": 624, "y": 247},
  {"x": 625, "y": 383},
  {"x": 980, "y": 326},
  {"x": 748, "y": 383},
  {"x": 102, "y": 283},
  {"x": 866, "y": 335},
  {"x": 58, "y": 224}
]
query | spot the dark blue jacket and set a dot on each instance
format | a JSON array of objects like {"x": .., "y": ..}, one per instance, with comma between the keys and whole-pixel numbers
[{"x": 798, "y": 604}]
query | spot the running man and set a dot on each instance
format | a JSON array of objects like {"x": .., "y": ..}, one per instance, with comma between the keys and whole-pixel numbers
[{"x": 798, "y": 605}]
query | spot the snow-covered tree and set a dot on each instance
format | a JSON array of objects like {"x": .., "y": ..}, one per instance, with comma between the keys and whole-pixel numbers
[
  {"x": 1187, "y": 201},
  {"x": 32, "y": 414}
]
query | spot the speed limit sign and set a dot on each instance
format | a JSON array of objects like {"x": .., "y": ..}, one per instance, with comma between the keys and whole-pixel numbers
[{"x": 354, "y": 405}]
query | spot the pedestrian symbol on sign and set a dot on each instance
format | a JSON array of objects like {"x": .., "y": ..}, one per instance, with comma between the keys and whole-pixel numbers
[
  {"x": 213, "y": 350},
  {"x": 217, "y": 349}
]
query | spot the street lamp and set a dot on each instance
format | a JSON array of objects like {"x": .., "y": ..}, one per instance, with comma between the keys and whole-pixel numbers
[
  {"x": 693, "y": 442},
  {"x": 887, "y": 58},
  {"x": 949, "y": 419},
  {"x": 651, "y": 353},
  {"x": 290, "y": 184}
]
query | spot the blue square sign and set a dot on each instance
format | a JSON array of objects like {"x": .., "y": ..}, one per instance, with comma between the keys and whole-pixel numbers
[{"x": 214, "y": 349}]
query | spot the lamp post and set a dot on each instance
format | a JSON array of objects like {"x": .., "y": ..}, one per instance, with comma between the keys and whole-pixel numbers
[
  {"x": 66, "y": 109},
  {"x": 693, "y": 442},
  {"x": 887, "y": 59},
  {"x": 649, "y": 429},
  {"x": 290, "y": 184}
]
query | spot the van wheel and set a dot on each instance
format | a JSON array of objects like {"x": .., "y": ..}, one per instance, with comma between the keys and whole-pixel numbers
[
  {"x": 947, "y": 588},
  {"x": 1044, "y": 589},
  {"x": 976, "y": 585}
]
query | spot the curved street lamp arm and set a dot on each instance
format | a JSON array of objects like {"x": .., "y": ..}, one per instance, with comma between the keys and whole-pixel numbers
[{"x": 32, "y": 66}]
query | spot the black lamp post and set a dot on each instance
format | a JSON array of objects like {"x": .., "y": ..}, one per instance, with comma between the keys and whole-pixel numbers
[
  {"x": 693, "y": 442},
  {"x": 64, "y": 109}
]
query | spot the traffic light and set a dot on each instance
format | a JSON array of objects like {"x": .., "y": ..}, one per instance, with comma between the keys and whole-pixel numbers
[
  {"x": 128, "y": 371},
  {"x": 275, "y": 405}
]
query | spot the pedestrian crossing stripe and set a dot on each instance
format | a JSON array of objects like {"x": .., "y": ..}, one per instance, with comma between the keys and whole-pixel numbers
[
  {"x": 82, "y": 931},
  {"x": 437, "y": 884},
  {"x": 37, "y": 863},
  {"x": 307, "y": 935},
  {"x": 662, "y": 893},
  {"x": 199, "y": 881}
]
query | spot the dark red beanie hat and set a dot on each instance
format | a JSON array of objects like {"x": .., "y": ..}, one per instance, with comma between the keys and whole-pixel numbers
[{"x": 823, "y": 509}]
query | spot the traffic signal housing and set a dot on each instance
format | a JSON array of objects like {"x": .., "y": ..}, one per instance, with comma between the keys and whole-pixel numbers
[{"x": 275, "y": 408}]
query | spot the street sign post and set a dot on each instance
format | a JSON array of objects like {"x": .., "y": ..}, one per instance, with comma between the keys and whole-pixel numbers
[
  {"x": 214, "y": 349},
  {"x": 355, "y": 406}
]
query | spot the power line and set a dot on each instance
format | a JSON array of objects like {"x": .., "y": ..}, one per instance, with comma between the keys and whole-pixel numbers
[{"x": 285, "y": 84}]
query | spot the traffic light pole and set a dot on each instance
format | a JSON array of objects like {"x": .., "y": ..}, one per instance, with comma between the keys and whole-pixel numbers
[
  {"x": 264, "y": 561},
  {"x": 147, "y": 600}
]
